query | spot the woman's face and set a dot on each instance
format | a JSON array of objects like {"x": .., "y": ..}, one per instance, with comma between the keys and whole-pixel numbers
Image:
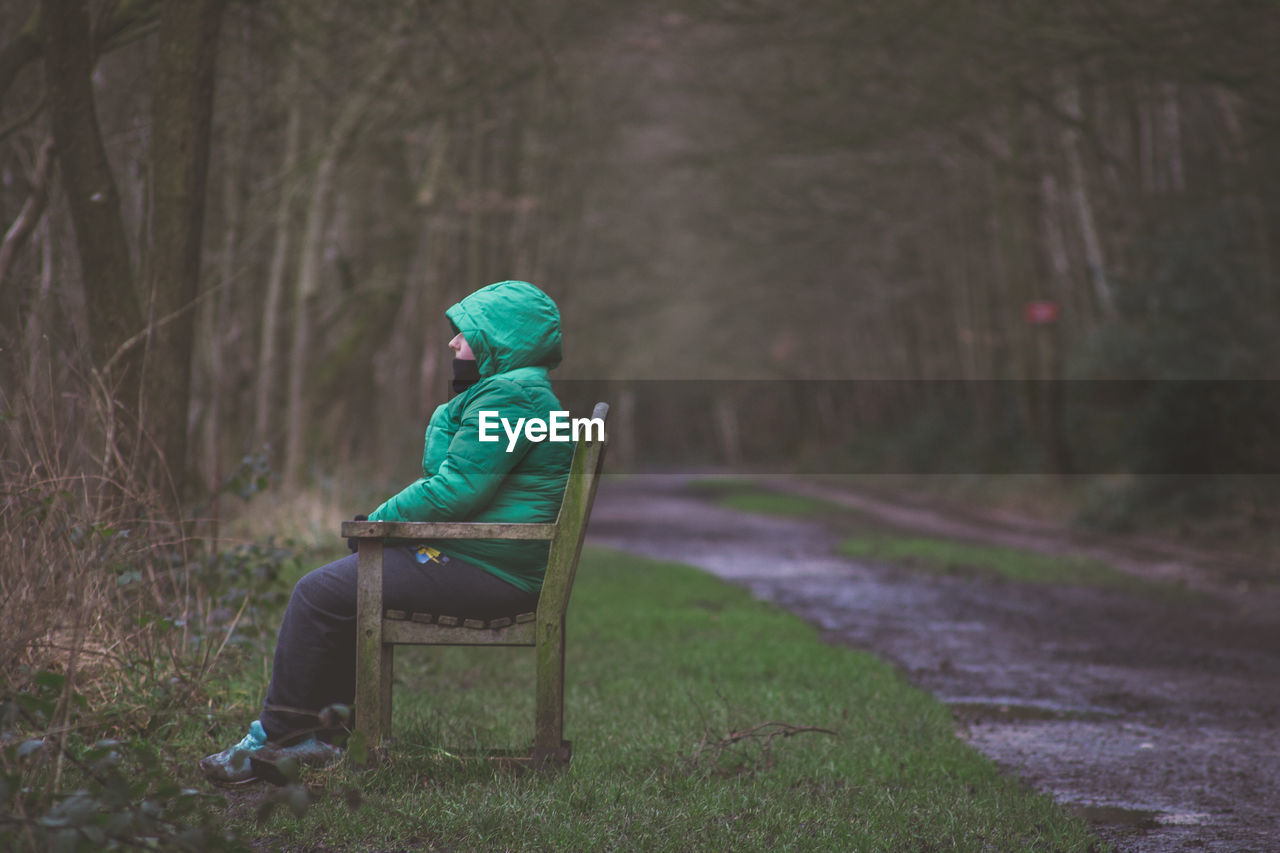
[{"x": 461, "y": 349}]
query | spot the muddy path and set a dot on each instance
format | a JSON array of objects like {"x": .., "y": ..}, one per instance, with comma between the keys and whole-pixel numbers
[{"x": 1158, "y": 721}]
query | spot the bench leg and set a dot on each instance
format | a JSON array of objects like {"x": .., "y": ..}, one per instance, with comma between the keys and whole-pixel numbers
[
  {"x": 373, "y": 657},
  {"x": 385, "y": 670},
  {"x": 548, "y": 739},
  {"x": 373, "y": 697}
]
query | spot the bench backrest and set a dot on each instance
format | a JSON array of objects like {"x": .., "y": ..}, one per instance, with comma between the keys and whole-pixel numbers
[{"x": 571, "y": 524}]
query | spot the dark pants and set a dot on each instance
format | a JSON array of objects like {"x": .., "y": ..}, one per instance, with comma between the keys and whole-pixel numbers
[{"x": 315, "y": 660}]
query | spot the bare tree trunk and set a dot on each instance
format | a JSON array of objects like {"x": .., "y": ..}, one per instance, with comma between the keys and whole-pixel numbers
[
  {"x": 1238, "y": 156},
  {"x": 1149, "y": 175},
  {"x": 220, "y": 327},
  {"x": 182, "y": 116},
  {"x": 1055, "y": 244},
  {"x": 114, "y": 314},
  {"x": 40, "y": 396},
  {"x": 35, "y": 343},
  {"x": 1094, "y": 256},
  {"x": 475, "y": 222},
  {"x": 310, "y": 253},
  {"x": 399, "y": 363},
  {"x": 1171, "y": 125},
  {"x": 307, "y": 285},
  {"x": 626, "y": 429},
  {"x": 728, "y": 430},
  {"x": 268, "y": 372},
  {"x": 21, "y": 50},
  {"x": 432, "y": 364}
]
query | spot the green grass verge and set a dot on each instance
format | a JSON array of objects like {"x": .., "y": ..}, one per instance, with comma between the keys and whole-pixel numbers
[
  {"x": 871, "y": 540},
  {"x": 993, "y": 561},
  {"x": 746, "y": 496},
  {"x": 664, "y": 663}
]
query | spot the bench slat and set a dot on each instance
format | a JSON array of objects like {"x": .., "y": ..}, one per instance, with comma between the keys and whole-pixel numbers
[
  {"x": 444, "y": 530},
  {"x": 418, "y": 633},
  {"x": 452, "y": 621}
]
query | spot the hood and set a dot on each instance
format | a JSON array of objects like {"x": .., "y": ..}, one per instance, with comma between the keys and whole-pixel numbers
[{"x": 509, "y": 324}]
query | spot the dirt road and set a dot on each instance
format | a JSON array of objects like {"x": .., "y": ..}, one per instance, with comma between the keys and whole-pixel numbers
[{"x": 1158, "y": 721}]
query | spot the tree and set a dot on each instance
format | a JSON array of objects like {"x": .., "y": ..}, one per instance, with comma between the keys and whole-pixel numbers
[
  {"x": 181, "y": 120},
  {"x": 141, "y": 343},
  {"x": 114, "y": 311}
]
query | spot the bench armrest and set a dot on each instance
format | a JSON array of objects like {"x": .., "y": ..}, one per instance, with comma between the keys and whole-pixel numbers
[{"x": 444, "y": 530}]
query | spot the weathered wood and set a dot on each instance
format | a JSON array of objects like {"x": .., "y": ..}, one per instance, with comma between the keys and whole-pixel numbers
[
  {"x": 555, "y": 757},
  {"x": 452, "y": 621},
  {"x": 571, "y": 525},
  {"x": 420, "y": 634},
  {"x": 386, "y": 669},
  {"x": 444, "y": 530},
  {"x": 545, "y": 629},
  {"x": 549, "y": 699},
  {"x": 369, "y": 711},
  {"x": 557, "y": 585}
]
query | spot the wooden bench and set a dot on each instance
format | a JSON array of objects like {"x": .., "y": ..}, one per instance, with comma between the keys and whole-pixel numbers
[{"x": 378, "y": 632}]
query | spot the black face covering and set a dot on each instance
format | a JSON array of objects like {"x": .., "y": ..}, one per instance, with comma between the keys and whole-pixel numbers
[{"x": 466, "y": 372}]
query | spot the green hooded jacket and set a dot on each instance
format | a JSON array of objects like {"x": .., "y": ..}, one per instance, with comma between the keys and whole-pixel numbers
[{"x": 513, "y": 329}]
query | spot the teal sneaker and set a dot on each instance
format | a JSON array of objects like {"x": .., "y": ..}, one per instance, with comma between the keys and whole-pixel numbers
[
  {"x": 232, "y": 765},
  {"x": 281, "y": 765}
]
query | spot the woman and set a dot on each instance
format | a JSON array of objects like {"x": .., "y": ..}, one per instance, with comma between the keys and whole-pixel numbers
[{"x": 507, "y": 338}]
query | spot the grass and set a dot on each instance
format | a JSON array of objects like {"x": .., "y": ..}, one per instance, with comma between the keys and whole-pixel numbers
[
  {"x": 665, "y": 663},
  {"x": 867, "y": 539},
  {"x": 778, "y": 503},
  {"x": 992, "y": 561},
  {"x": 745, "y": 496}
]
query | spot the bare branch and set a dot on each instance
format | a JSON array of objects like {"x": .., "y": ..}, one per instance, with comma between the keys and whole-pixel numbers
[
  {"x": 124, "y": 22},
  {"x": 765, "y": 732},
  {"x": 32, "y": 210},
  {"x": 23, "y": 120}
]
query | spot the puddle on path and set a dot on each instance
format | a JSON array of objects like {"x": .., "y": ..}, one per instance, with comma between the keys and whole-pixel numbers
[
  {"x": 1120, "y": 818},
  {"x": 976, "y": 709},
  {"x": 1159, "y": 722}
]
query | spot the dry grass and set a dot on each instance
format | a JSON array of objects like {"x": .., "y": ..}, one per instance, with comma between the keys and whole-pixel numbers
[
  {"x": 309, "y": 516},
  {"x": 86, "y": 591},
  {"x": 94, "y": 577}
]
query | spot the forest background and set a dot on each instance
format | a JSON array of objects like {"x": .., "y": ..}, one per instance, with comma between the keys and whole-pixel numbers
[
  {"x": 233, "y": 229},
  {"x": 920, "y": 240},
  {"x": 903, "y": 237}
]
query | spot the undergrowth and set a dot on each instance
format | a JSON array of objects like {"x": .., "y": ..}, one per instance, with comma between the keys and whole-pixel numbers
[
  {"x": 701, "y": 719},
  {"x": 116, "y": 621}
]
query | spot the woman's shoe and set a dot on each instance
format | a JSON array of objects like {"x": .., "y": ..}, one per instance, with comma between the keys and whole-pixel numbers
[
  {"x": 280, "y": 765},
  {"x": 232, "y": 765}
]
